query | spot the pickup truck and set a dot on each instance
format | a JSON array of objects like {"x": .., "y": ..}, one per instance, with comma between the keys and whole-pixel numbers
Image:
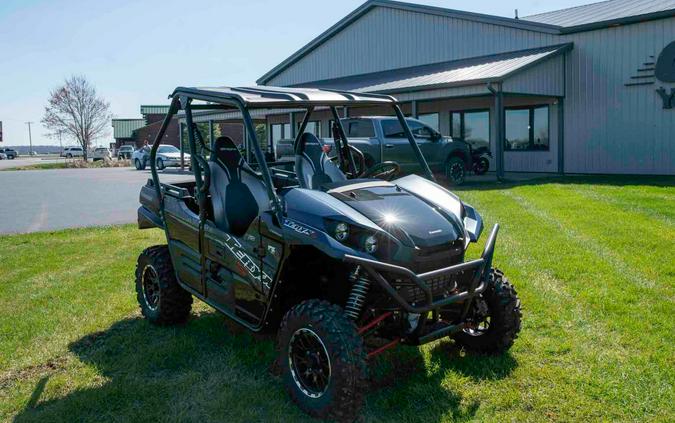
[{"x": 381, "y": 138}]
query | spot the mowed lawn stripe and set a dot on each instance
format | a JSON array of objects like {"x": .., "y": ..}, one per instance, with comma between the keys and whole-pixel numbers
[
  {"x": 67, "y": 284},
  {"x": 612, "y": 351}
]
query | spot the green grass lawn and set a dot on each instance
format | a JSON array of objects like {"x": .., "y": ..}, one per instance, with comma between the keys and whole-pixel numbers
[{"x": 593, "y": 260}]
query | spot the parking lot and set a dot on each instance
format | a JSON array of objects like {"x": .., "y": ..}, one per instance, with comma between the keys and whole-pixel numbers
[{"x": 43, "y": 200}]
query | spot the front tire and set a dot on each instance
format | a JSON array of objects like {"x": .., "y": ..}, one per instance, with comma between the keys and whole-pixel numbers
[
  {"x": 494, "y": 317},
  {"x": 139, "y": 165},
  {"x": 323, "y": 361},
  {"x": 454, "y": 170},
  {"x": 161, "y": 299}
]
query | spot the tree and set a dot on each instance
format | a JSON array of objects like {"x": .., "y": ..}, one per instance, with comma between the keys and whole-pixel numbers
[{"x": 76, "y": 111}]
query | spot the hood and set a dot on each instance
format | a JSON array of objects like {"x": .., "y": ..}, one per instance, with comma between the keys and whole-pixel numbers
[
  {"x": 173, "y": 155},
  {"x": 401, "y": 213}
]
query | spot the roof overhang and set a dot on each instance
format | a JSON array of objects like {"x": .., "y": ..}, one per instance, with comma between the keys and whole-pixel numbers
[{"x": 457, "y": 73}]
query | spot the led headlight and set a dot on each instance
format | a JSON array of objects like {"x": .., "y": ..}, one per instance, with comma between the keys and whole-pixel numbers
[
  {"x": 370, "y": 244},
  {"x": 341, "y": 231}
]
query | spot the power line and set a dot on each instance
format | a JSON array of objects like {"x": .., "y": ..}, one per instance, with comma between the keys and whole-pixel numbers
[{"x": 30, "y": 139}]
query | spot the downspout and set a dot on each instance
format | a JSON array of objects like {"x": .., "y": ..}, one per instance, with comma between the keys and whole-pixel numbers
[{"x": 501, "y": 128}]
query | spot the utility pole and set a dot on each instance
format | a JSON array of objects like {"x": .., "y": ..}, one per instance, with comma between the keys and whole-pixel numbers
[{"x": 30, "y": 139}]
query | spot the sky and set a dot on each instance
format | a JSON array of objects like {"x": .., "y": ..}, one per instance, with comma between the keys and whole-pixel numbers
[{"x": 137, "y": 52}]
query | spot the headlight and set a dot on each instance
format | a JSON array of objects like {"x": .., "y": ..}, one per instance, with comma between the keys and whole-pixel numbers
[
  {"x": 370, "y": 244},
  {"x": 341, "y": 231}
]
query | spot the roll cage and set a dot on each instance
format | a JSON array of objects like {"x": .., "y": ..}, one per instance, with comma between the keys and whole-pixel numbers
[{"x": 244, "y": 99}]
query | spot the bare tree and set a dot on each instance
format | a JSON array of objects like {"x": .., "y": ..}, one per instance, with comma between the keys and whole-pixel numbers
[{"x": 76, "y": 111}]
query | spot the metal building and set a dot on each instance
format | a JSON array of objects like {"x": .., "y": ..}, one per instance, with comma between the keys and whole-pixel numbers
[{"x": 589, "y": 89}]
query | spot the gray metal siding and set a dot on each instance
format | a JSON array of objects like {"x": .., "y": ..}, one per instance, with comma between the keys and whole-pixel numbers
[
  {"x": 611, "y": 128},
  {"x": 547, "y": 78},
  {"x": 386, "y": 38}
]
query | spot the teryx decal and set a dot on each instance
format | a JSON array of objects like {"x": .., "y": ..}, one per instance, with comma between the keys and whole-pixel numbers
[
  {"x": 302, "y": 230},
  {"x": 248, "y": 263}
]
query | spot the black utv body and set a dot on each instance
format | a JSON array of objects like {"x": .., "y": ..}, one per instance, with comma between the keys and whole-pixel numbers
[{"x": 341, "y": 261}]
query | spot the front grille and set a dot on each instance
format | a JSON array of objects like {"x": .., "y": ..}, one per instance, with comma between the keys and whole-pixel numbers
[
  {"x": 441, "y": 286},
  {"x": 437, "y": 257}
]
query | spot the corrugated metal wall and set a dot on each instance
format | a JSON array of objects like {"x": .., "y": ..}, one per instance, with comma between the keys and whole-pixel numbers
[
  {"x": 611, "y": 128},
  {"x": 391, "y": 38}
]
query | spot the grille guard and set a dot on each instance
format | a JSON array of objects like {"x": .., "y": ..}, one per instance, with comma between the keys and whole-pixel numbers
[{"x": 478, "y": 283}]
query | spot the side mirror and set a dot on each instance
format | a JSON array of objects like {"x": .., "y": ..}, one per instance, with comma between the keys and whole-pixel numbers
[{"x": 436, "y": 136}]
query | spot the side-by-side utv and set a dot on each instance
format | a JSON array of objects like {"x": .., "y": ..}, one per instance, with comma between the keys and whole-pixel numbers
[{"x": 340, "y": 260}]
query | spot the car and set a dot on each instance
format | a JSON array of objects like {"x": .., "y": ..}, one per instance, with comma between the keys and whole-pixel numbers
[
  {"x": 381, "y": 138},
  {"x": 340, "y": 263},
  {"x": 10, "y": 153},
  {"x": 70, "y": 152},
  {"x": 125, "y": 152},
  {"x": 3, "y": 156},
  {"x": 167, "y": 156},
  {"x": 101, "y": 153}
]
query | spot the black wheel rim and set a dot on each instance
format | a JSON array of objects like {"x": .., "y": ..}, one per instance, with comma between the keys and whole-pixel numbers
[
  {"x": 455, "y": 172},
  {"x": 479, "y": 323},
  {"x": 150, "y": 287},
  {"x": 309, "y": 363}
]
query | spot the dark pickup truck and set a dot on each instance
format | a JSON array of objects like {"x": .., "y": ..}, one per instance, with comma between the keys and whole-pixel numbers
[{"x": 381, "y": 138}]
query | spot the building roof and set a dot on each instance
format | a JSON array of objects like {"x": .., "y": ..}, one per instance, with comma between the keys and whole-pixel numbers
[
  {"x": 272, "y": 97},
  {"x": 593, "y": 16},
  {"x": 154, "y": 109},
  {"x": 124, "y": 128},
  {"x": 493, "y": 68},
  {"x": 606, "y": 12}
]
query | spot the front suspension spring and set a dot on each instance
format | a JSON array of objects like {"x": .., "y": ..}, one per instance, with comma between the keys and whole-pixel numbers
[{"x": 357, "y": 296}]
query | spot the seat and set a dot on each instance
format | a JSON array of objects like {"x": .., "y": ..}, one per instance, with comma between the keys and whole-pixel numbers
[
  {"x": 237, "y": 194},
  {"x": 313, "y": 166}
]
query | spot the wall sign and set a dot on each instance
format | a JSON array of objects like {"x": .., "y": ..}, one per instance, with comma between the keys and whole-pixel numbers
[
  {"x": 665, "y": 72},
  {"x": 661, "y": 68}
]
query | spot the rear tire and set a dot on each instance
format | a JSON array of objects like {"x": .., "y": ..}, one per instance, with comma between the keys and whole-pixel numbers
[
  {"x": 330, "y": 383},
  {"x": 161, "y": 299},
  {"x": 501, "y": 305},
  {"x": 160, "y": 164},
  {"x": 455, "y": 171}
]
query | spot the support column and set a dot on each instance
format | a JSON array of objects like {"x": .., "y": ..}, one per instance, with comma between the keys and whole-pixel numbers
[
  {"x": 561, "y": 136},
  {"x": 413, "y": 109},
  {"x": 294, "y": 131},
  {"x": 501, "y": 130}
]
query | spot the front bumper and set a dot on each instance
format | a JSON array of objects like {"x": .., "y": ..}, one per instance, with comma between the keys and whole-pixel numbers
[{"x": 478, "y": 282}]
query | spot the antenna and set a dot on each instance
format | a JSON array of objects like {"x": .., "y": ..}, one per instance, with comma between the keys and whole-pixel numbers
[{"x": 517, "y": 14}]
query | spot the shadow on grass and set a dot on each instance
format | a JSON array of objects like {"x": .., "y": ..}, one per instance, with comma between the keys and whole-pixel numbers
[{"x": 204, "y": 371}]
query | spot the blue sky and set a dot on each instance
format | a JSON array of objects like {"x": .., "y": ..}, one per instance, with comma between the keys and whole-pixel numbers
[{"x": 138, "y": 51}]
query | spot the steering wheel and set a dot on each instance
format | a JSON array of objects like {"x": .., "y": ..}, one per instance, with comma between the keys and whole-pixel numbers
[
  {"x": 359, "y": 163},
  {"x": 385, "y": 170}
]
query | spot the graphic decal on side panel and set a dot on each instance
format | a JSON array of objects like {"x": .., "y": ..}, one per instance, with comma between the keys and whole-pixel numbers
[{"x": 248, "y": 263}]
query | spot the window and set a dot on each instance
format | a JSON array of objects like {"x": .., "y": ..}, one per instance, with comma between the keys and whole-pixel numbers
[
  {"x": 360, "y": 128},
  {"x": 527, "y": 129},
  {"x": 472, "y": 127},
  {"x": 313, "y": 127},
  {"x": 430, "y": 119},
  {"x": 165, "y": 149},
  {"x": 392, "y": 129}
]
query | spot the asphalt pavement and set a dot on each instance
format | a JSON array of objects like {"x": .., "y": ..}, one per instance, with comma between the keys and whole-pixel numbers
[{"x": 46, "y": 200}]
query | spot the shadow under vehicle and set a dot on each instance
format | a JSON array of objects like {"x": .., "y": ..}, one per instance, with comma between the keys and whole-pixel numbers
[{"x": 340, "y": 260}]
